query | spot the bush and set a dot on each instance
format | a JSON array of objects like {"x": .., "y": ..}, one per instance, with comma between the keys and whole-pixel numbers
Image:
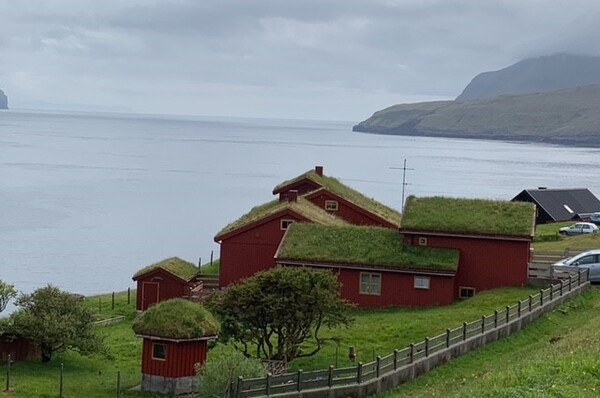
[{"x": 224, "y": 365}]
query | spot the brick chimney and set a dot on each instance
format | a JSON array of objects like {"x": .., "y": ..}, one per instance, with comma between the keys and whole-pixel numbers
[
  {"x": 319, "y": 170},
  {"x": 292, "y": 195}
]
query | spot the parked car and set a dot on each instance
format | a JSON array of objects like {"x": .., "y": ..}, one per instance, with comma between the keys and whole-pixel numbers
[
  {"x": 579, "y": 229},
  {"x": 589, "y": 260},
  {"x": 595, "y": 218}
]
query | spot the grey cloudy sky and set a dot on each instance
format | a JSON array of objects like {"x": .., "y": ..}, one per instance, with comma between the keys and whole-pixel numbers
[{"x": 308, "y": 59}]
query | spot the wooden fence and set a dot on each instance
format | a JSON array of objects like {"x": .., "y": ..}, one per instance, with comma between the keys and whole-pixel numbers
[{"x": 407, "y": 363}]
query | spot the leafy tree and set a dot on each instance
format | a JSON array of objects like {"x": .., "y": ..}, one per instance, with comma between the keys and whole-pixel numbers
[
  {"x": 278, "y": 314},
  {"x": 224, "y": 365},
  {"x": 56, "y": 320},
  {"x": 7, "y": 293}
]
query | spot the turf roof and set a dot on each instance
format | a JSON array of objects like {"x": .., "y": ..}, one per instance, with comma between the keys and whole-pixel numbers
[
  {"x": 335, "y": 186},
  {"x": 480, "y": 216},
  {"x": 181, "y": 268},
  {"x": 176, "y": 319},
  {"x": 301, "y": 206},
  {"x": 361, "y": 245}
]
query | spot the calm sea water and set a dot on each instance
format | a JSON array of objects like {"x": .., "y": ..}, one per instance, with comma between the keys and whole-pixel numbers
[{"x": 88, "y": 199}]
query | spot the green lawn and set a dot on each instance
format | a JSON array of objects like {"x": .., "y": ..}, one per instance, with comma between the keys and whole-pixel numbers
[
  {"x": 560, "y": 242},
  {"x": 556, "y": 356}
]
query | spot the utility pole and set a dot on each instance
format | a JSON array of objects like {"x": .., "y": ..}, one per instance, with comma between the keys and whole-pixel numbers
[{"x": 404, "y": 183}]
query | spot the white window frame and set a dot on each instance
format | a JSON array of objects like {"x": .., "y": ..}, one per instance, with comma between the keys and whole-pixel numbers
[
  {"x": 164, "y": 352},
  {"x": 422, "y": 282},
  {"x": 331, "y": 205},
  {"x": 284, "y": 223},
  {"x": 370, "y": 284}
]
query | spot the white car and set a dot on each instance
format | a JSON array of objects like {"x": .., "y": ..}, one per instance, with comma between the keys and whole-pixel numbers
[
  {"x": 579, "y": 229},
  {"x": 589, "y": 260}
]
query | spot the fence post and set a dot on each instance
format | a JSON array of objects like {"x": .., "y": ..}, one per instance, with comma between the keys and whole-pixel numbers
[
  {"x": 530, "y": 301},
  {"x": 99, "y": 304},
  {"x": 570, "y": 283},
  {"x": 118, "y": 384},
  {"x": 426, "y": 346},
  {"x": 447, "y": 338},
  {"x": 579, "y": 278},
  {"x": 330, "y": 376},
  {"x": 9, "y": 360},
  {"x": 482, "y": 324},
  {"x": 240, "y": 384},
  {"x": 495, "y": 319},
  {"x": 359, "y": 373},
  {"x": 561, "y": 286},
  {"x": 464, "y": 331},
  {"x": 412, "y": 352},
  {"x": 378, "y": 369},
  {"x": 299, "y": 388},
  {"x": 268, "y": 386},
  {"x": 128, "y": 295},
  {"x": 60, "y": 388},
  {"x": 519, "y": 309},
  {"x": 507, "y": 314},
  {"x": 541, "y": 297},
  {"x": 113, "y": 301},
  {"x": 395, "y": 359}
]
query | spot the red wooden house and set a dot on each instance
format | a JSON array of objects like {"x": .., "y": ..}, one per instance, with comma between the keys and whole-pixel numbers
[
  {"x": 248, "y": 245},
  {"x": 493, "y": 238},
  {"x": 339, "y": 199},
  {"x": 169, "y": 278},
  {"x": 374, "y": 266},
  {"x": 175, "y": 335}
]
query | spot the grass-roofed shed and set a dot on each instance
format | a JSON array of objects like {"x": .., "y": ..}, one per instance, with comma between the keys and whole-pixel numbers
[
  {"x": 374, "y": 265},
  {"x": 175, "y": 334},
  {"x": 493, "y": 237},
  {"x": 163, "y": 280}
]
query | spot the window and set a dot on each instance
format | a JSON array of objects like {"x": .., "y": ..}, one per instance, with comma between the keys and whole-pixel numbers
[
  {"x": 422, "y": 241},
  {"x": 159, "y": 351},
  {"x": 466, "y": 292},
  {"x": 285, "y": 223},
  {"x": 331, "y": 205},
  {"x": 421, "y": 282},
  {"x": 370, "y": 283}
]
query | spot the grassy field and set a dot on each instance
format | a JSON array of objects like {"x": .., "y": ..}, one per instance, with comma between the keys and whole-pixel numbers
[
  {"x": 375, "y": 332},
  {"x": 556, "y": 356},
  {"x": 587, "y": 241}
]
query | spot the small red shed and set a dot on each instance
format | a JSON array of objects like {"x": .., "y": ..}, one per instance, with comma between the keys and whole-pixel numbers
[
  {"x": 19, "y": 348},
  {"x": 374, "y": 266},
  {"x": 175, "y": 335},
  {"x": 248, "y": 245},
  {"x": 169, "y": 278},
  {"x": 493, "y": 238}
]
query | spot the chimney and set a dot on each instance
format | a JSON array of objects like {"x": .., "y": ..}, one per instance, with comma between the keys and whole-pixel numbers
[
  {"x": 293, "y": 195},
  {"x": 319, "y": 170}
]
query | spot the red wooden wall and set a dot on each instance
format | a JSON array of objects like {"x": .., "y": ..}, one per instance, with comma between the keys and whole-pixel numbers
[
  {"x": 18, "y": 348},
  {"x": 348, "y": 211},
  {"x": 484, "y": 263},
  {"x": 169, "y": 287},
  {"x": 397, "y": 289},
  {"x": 248, "y": 252},
  {"x": 180, "y": 358}
]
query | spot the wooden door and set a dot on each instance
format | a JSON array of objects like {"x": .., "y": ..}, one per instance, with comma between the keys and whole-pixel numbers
[{"x": 149, "y": 294}]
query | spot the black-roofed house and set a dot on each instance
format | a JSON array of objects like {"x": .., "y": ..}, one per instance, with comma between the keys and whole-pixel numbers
[
  {"x": 560, "y": 204},
  {"x": 374, "y": 266},
  {"x": 492, "y": 237},
  {"x": 166, "y": 279}
]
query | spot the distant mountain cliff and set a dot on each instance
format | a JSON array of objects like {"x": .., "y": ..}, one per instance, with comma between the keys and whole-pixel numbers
[
  {"x": 3, "y": 100},
  {"x": 547, "y": 99}
]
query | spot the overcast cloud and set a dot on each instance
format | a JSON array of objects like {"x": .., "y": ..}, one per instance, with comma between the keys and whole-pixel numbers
[{"x": 310, "y": 59}]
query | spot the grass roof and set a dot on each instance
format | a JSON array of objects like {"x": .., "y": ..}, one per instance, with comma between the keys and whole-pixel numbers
[
  {"x": 181, "y": 268},
  {"x": 361, "y": 245},
  {"x": 335, "y": 186},
  {"x": 301, "y": 206},
  {"x": 176, "y": 319},
  {"x": 469, "y": 215}
]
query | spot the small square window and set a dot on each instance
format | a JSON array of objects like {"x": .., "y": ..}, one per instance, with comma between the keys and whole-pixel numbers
[
  {"x": 421, "y": 282},
  {"x": 466, "y": 292},
  {"x": 285, "y": 224},
  {"x": 422, "y": 241},
  {"x": 331, "y": 205},
  {"x": 370, "y": 283},
  {"x": 159, "y": 351}
]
